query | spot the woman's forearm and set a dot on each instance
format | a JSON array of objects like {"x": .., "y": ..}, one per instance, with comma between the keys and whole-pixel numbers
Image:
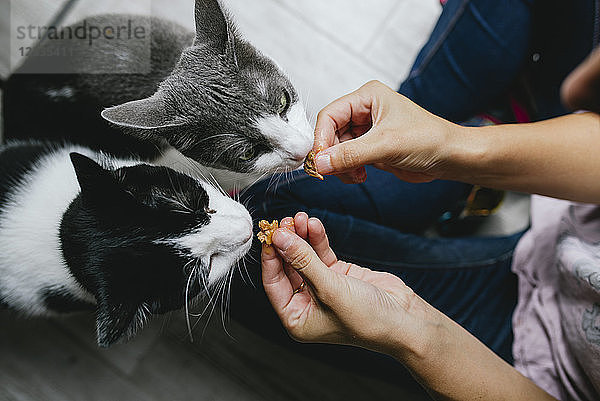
[
  {"x": 557, "y": 158},
  {"x": 453, "y": 365}
]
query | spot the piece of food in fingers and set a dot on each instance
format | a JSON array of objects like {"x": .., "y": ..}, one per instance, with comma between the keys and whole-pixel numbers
[
  {"x": 310, "y": 166},
  {"x": 266, "y": 231}
]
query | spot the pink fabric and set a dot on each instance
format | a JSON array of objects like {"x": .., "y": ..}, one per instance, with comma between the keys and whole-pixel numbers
[
  {"x": 557, "y": 320},
  {"x": 521, "y": 115}
]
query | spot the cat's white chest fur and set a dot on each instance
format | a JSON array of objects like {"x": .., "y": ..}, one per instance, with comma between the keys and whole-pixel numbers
[
  {"x": 30, "y": 256},
  {"x": 31, "y": 259}
]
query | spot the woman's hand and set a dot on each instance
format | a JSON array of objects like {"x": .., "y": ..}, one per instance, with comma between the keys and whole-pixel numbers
[
  {"x": 377, "y": 126},
  {"x": 346, "y": 304},
  {"x": 581, "y": 89},
  {"x": 341, "y": 303}
]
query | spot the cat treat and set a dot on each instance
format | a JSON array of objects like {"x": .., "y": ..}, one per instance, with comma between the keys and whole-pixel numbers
[
  {"x": 310, "y": 167},
  {"x": 266, "y": 231}
]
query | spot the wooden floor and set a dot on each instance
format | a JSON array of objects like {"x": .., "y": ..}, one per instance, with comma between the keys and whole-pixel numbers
[
  {"x": 59, "y": 360},
  {"x": 328, "y": 47}
]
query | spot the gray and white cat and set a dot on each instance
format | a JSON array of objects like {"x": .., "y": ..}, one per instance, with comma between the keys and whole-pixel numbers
[
  {"x": 81, "y": 231},
  {"x": 210, "y": 96}
]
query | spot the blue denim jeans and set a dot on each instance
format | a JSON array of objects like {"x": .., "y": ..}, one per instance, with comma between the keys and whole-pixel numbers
[
  {"x": 474, "y": 54},
  {"x": 476, "y": 51},
  {"x": 469, "y": 279},
  {"x": 481, "y": 49}
]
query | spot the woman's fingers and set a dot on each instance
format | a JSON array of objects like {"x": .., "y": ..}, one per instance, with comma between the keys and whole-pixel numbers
[
  {"x": 348, "y": 156},
  {"x": 347, "y": 137},
  {"x": 279, "y": 280},
  {"x": 347, "y": 111},
  {"x": 277, "y": 285},
  {"x": 319, "y": 241},
  {"x": 301, "y": 224},
  {"x": 580, "y": 91},
  {"x": 302, "y": 257},
  {"x": 295, "y": 279},
  {"x": 288, "y": 223}
]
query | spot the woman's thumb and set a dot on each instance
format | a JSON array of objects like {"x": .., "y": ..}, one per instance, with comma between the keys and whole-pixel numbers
[
  {"x": 302, "y": 257},
  {"x": 349, "y": 155}
]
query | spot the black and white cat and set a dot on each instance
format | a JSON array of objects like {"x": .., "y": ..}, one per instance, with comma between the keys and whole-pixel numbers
[
  {"x": 82, "y": 231},
  {"x": 211, "y": 96}
]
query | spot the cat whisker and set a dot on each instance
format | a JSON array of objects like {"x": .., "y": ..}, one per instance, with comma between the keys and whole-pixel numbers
[
  {"x": 225, "y": 300},
  {"x": 246, "y": 204},
  {"x": 271, "y": 182},
  {"x": 252, "y": 258},
  {"x": 216, "y": 184},
  {"x": 195, "y": 169},
  {"x": 204, "y": 277},
  {"x": 214, "y": 304},
  {"x": 233, "y": 145},
  {"x": 228, "y": 299},
  {"x": 263, "y": 175},
  {"x": 207, "y": 293},
  {"x": 289, "y": 176},
  {"x": 187, "y": 310},
  {"x": 277, "y": 179},
  {"x": 213, "y": 301},
  {"x": 177, "y": 191},
  {"x": 305, "y": 100},
  {"x": 247, "y": 273}
]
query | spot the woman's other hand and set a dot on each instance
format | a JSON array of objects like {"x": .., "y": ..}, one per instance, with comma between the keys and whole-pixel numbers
[
  {"x": 377, "y": 126},
  {"x": 581, "y": 89},
  {"x": 341, "y": 302}
]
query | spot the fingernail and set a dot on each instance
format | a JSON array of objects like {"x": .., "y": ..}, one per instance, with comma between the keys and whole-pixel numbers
[
  {"x": 268, "y": 250},
  {"x": 283, "y": 238},
  {"x": 323, "y": 162},
  {"x": 288, "y": 221}
]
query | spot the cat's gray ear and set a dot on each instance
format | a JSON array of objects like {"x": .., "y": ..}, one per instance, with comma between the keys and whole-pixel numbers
[
  {"x": 214, "y": 27},
  {"x": 146, "y": 114}
]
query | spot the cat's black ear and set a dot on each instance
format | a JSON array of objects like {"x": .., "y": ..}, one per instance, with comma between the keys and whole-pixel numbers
[
  {"x": 214, "y": 27},
  {"x": 115, "y": 323},
  {"x": 98, "y": 182},
  {"x": 90, "y": 174},
  {"x": 145, "y": 114}
]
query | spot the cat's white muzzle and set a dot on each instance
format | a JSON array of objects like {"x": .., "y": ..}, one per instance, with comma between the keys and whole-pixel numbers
[
  {"x": 293, "y": 140},
  {"x": 222, "y": 242},
  {"x": 230, "y": 232}
]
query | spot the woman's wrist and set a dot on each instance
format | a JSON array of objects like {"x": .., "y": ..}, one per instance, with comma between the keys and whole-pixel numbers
[
  {"x": 465, "y": 155},
  {"x": 415, "y": 335}
]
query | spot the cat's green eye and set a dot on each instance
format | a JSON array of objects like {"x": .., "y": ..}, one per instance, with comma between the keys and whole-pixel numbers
[
  {"x": 283, "y": 103},
  {"x": 248, "y": 154}
]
